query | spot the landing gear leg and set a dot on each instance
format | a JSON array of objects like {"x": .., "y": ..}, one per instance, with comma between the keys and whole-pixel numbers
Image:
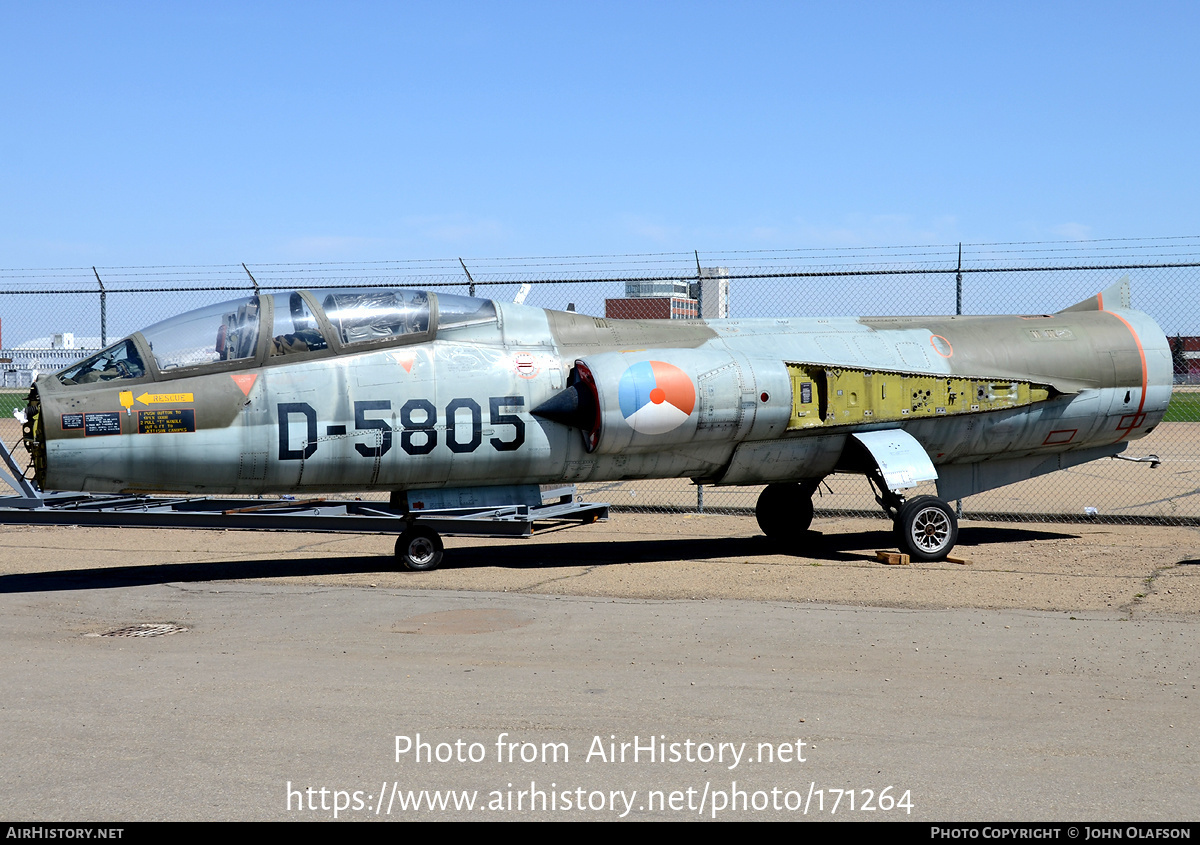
[
  {"x": 926, "y": 528},
  {"x": 785, "y": 510}
]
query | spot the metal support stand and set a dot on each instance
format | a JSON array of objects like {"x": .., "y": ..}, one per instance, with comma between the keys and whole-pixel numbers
[
  {"x": 30, "y": 496},
  {"x": 558, "y": 508}
]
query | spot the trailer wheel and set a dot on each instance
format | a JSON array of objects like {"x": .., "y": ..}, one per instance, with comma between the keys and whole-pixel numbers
[
  {"x": 926, "y": 528},
  {"x": 784, "y": 510},
  {"x": 419, "y": 549}
]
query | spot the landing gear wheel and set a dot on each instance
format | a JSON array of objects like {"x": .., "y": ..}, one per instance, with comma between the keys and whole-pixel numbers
[
  {"x": 419, "y": 549},
  {"x": 926, "y": 528},
  {"x": 784, "y": 510}
]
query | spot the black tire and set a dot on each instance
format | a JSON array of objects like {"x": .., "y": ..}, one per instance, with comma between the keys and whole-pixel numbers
[
  {"x": 926, "y": 528},
  {"x": 784, "y": 510},
  {"x": 419, "y": 549}
]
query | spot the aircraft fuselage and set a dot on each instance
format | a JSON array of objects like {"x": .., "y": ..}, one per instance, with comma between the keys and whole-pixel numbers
[{"x": 294, "y": 395}]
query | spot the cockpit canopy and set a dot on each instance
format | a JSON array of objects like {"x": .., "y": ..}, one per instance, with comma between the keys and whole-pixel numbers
[
  {"x": 309, "y": 323},
  {"x": 359, "y": 317}
]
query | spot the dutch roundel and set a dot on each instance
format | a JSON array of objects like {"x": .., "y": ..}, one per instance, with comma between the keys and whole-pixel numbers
[{"x": 655, "y": 397}]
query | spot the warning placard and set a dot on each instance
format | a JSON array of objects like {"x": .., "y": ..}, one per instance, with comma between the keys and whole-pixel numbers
[
  {"x": 107, "y": 422},
  {"x": 166, "y": 421}
]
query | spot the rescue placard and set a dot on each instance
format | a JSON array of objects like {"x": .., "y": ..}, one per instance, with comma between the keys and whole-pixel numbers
[
  {"x": 159, "y": 398},
  {"x": 172, "y": 421}
]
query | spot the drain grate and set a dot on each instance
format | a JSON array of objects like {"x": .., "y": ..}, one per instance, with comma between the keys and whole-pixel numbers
[{"x": 148, "y": 629}]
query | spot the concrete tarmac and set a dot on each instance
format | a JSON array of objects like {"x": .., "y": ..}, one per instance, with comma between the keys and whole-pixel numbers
[{"x": 651, "y": 667}]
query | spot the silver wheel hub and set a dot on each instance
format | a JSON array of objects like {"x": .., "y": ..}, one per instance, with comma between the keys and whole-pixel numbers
[
  {"x": 931, "y": 529},
  {"x": 420, "y": 550}
]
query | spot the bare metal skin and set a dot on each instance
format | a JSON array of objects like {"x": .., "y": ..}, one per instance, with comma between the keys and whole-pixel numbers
[{"x": 403, "y": 391}]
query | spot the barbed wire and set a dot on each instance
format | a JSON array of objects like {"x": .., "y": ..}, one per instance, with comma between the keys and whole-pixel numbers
[
  {"x": 1077, "y": 251},
  {"x": 276, "y": 283}
]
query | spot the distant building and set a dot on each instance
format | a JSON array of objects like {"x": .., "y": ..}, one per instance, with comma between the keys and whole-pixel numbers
[
  {"x": 670, "y": 287},
  {"x": 713, "y": 292},
  {"x": 43, "y": 355},
  {"x": 652, "y": 308},
  {"x": 674, "y": 299},
  {"x": 1185, "y": 358}
]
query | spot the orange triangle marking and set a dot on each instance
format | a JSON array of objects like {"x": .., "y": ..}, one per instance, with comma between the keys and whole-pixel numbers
[
  {"x": 407, "y": 361},
  {"x": 245, "y": 381}
]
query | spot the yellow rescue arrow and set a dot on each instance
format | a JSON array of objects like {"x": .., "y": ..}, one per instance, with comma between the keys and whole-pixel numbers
[{"x": 163, "y": 398}]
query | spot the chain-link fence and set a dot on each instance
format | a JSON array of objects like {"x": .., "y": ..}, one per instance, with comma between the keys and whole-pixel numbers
[{"x": 50, "y": 317}]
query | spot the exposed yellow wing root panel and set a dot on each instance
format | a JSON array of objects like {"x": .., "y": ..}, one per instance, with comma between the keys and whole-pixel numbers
[{"x": 828, "y": 396}]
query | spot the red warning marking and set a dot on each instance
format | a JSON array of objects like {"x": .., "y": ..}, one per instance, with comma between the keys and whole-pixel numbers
[
  {"x": 1131, "y": 421},
  {"x": 245, "y": 381},
  {"x": 406, "y": 361},
  {"x": 1058, "y": 438}
]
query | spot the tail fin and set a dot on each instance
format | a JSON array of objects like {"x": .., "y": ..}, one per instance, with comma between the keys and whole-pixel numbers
[{"x": 1115, "y": 295}]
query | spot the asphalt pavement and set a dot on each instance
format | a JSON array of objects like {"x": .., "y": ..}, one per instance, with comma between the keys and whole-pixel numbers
[{"x": 653, "y": 667}]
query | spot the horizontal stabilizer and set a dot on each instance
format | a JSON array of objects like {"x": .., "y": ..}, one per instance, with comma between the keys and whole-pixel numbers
[{"x": 1115, "y": 295}]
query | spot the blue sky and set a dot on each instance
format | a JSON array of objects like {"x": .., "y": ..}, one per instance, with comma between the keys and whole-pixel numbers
[{"x": 196, "y": 133}]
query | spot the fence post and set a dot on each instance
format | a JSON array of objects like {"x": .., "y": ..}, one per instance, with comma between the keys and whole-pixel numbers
[
  {"x": 103, "y": 311},
  {"x": 252, "y": 279},
  {"x": 958, "y": 284},
  {"x": 471, "y": 287},
  {"x": 958, "y": 311},
  {"x": 699, "y": 315}
]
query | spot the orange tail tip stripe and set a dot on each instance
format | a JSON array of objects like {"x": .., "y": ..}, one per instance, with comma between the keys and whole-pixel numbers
[{"x": 1145, "y": 373}]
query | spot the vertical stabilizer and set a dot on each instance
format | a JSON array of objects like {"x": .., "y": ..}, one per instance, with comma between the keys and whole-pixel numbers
[{"x": 1115, "y": 295}]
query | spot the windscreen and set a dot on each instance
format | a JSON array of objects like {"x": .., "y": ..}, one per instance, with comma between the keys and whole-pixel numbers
[{"x": 119, "y": 361}]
